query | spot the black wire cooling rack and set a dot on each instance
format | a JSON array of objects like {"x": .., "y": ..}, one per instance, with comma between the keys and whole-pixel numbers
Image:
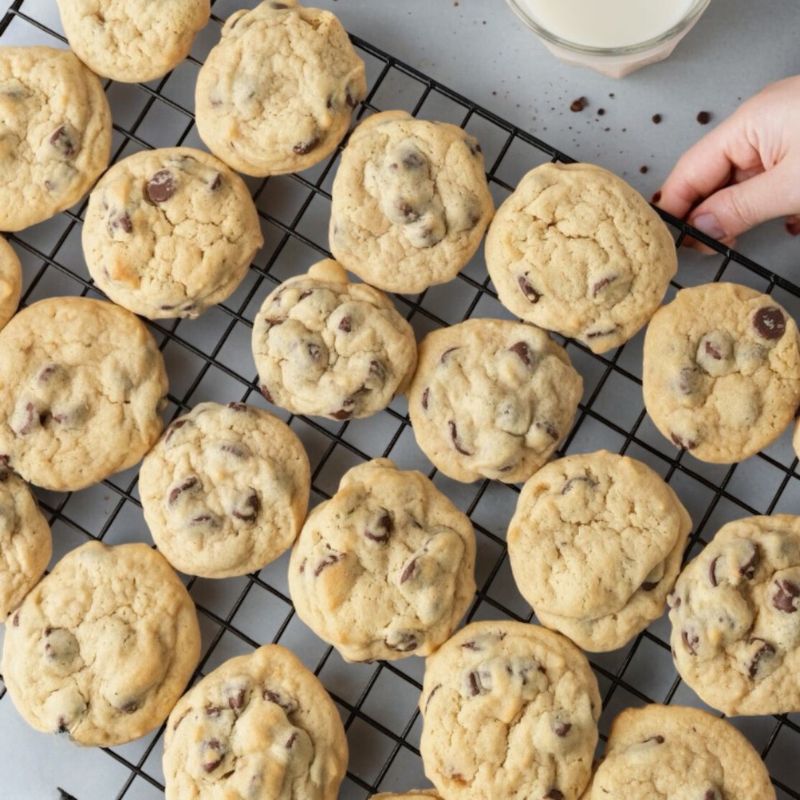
[{"x": 209, "y": 359}]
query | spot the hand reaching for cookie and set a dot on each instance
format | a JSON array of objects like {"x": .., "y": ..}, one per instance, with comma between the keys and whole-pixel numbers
[{"x": 744, "y": 172}]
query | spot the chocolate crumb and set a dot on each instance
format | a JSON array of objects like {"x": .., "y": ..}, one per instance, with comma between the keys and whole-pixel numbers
[
  {"x": 600, "y": 112},
  {"x": 578, "y": 104},
  {"x": 644, "y": 169},
  {"x": 656, "y": 198},
  {"x": 657, "y": 119},
  {"x": 704, "y": 117}
]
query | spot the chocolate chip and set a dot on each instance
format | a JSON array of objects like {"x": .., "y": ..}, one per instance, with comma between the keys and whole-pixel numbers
[
  {"x": 454, "y": 436},
  {"x": 236, "y": 450},
  {"x": 288, "y": 704},
  {"x": 212, "y": 710},
  {"x": 414, "y": 160},
  {"x": 770, "y": 323},
  {"x": 430, "y": 696},
  {"x": 471, "y": 645},
  {"x": 602, "y": 332},
  {"x": 602, "y": 283},
  {"x": 690, "y": 641},
  {"x": 712, "y": 571},
  {"x": 478, "y": 684},
  {"x": 328, "y": 561},
  {"x": 446, "y": 353},
  {"x": 377, "y": 370},
  {"x": 684, "y": 443},
  {"x": 303, "y": 148},
  {"x": 591, "y": 483},
  {"x": 524, "y": 352},
  {"x": 548, "y": 428},
  {"x": 712, "y": 794},
  {"x": 656, "y": 119},
  {"x": 554, "y": 794},
  {"x": 161, "y": 187},
  {"x": 236, "y": 700},
  {"x": 474, "y": 147},
  {"x": 712, "y": 350},
  {"x": 530, "y": 293},
  {"x": 561, "y": 729},
  {"x": 278, "y": 6},
  {"x": 266, "y": 393},
  {"x": 704, "y": 117},
  {"x": 648, "y": 586},
  {"x": 304, "y": 294},
  {"x": 64, "y": 142},
  {"x": 15, "y": 621},
  {"x": 342, "y": 414},
  {"x": 120, "y": 222},
  {"x": 408, "y": 571},
  {"x": 238, "y": 406},
  {"x": 130, "y": 707},
  {"x": 784, "y": 598},
  {"x": 426, "y": 393},
  {"x": 350, "y": 98},
  {"x": 314, "y": 351},
  {"x": 346, "y": 324},
  {"x": 212, "y": 760},
  {"x": 688, "y": 380},
  {"x": 657, "y": 739},
  {"x": 204, "y": 519},
  {"x": 252, "y": 505},
  {"x": 748, "y": 569},
  {"x": 215, "y": 183},
  {"x": 764, "y": 652},
  {"x": 578, "y": 104},
  {"x": 402, "y": 642},
  {"x": 62, "y": 726},
  {"x": 291, "y": 740},
  {"x": 177, "y": 491},
  {"x": 381, "y": 529},
  {"x": 408, "y": 212}
]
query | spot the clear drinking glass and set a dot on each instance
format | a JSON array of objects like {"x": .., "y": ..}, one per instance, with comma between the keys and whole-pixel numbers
[{"x": 616, "y": 62}]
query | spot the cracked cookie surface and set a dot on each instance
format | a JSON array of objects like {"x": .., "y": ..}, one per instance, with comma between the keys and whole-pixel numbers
[
  {"x": 277, "y": 93},
  {"x": 722, "y": 371},
  {"x": 55, "y": 133},
  {"x": 735, "y": 615},
  {"x": 225, "y": 490},
  {"x": 576, "y": 250},
  {"x": 673, "y": 752},
  {"x": 25, "y": 541},
  {"x": 10, "y": 282},
  {"x": 492, "y": 399},
  {"x": 170, "y": 232},
  {"x": 259, "y": 726},
  {"x": 410, "y": 202},
  {"x": 132, "y": 40},
  {"x": 331, "y": 348},
  {"x": 103, "y": 647},
  {"x": 510, "y": 710},
  {"x": 385, "y": 569},
  {"x": 81, "y": 387},
  {"x": 595, "y": 546}
]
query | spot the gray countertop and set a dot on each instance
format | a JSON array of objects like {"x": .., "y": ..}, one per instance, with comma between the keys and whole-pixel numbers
[{"x": 479, "y": 48}]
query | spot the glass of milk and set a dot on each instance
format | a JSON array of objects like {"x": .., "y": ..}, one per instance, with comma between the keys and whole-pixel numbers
[{"x": 614, "y": 37}]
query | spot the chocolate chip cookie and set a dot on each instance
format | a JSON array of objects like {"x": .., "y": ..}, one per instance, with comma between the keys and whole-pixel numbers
[
  {"x": 55, "y": 133},
  {"x": 277, "y": 93},
  {"x": 410, "y": 202},
  {"x": 25, "y": 541},
  {"x": 422, "y": 794},
  {"x": 103, "y": 647},
  {"x": 735, "y": 616},
  {"x": 576, "y": 250},
  {"x": 676, "y": 752},
  {"x": 331, "y": 348},
  {"x": 385, "y": 569},
  {"x": 722, "y": 371},
  {"x": 170, "y": 232},
  {"x": 82, "y": 384},
  {"x": 10, "y": 282},
  {"x": 510, "y": 710},
  {"x": 259, "y": 726},
  {"x": 132, "y": 40},
  {"x": 225, "y": 490},
  {"x": 595, "y": 546},
  {"x": 492, "y": 399}
]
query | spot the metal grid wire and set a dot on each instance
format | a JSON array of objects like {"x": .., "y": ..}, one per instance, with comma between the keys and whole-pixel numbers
[{"x": 209, "y": 359}]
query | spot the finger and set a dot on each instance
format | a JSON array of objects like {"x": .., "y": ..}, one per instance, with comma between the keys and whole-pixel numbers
[
  {"x": 737, "y": 208},
  {"x": 707, "y": 166}
]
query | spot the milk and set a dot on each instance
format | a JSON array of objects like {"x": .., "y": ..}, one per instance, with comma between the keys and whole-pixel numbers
[{"x": 606, "y": 23}]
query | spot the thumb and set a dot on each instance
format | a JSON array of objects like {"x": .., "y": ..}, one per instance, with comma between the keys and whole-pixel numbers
[{"x": 741, "y": 206}]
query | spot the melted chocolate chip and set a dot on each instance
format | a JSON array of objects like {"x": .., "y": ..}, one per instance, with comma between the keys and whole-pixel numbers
[
  {"x": 426, "y": 393},
  {"x": 478, "y": 684},
  {"x": 413, "y": 161},
  {"x": 657, "y": 739},
  {"x": 712, "y": 571},
  {"x": 713, "y": 351},
  {"x": 524, "y": 352},
  {"x": 291, "y": 740},
  {"x": 236, "y": 700},
  {"x": 561, "y": 729},
  {"x": 409, "y": 571},
  {"x": 215, "y": 183},
  {"x": 345, "y": 324},
  {"x": 64, "y": 142},
  {"x": 381, "y": 529},
  {"x": 602, "y": 283},
  {"x": 648, "y": 586},
  {"x": 446, "y": 353},
  {"x": 314, "y": 351},
  {"x": 15, "y": 621},
  {"x": 252, "y": 505},
  {"x": 548, "y": 428},
  {"x": 212, "y": 710},
  {"x": 120, "y": 222},
  {"x": 704, "y": 117},
  {"x": 430, "y": 696},
  {"x": 590, "y": 482},
  {"x": 161, "y": 187},
  {"x": 278, "y": 6},
  {"x": 600, "y": 333},
  {"x": 403, "y": 642},
  {"x": 554, "y": 794},
  {"x": 204, "y": 519},
  {"x": 328, "y": 561},
  {"x": 178, "y": 490},
  {"x": 304, "y": 294},
  {"x": 238, "y": 406},
  {"x": 266, "y": 393},
  {"x": 770, "y": 323},
  {"x": 342, "y": 414},
  {"x": 764, "y": 652},
  {"x": 784, "y": 598},
  {"x": 212, "y": 760},
  {"x": 288, "y": 704},
  {"x": 454, "y": 436},
  {"x": 686, "y": 444},
  {"x": 748, "y": 569},
  {"x": 303, "y": 148},
  {"x": 130, "y": 707},
  {"x": 530, "y": 293},
  {"x": 690, "y": 641}
]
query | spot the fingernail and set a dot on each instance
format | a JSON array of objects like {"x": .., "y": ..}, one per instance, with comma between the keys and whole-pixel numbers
[{"x": 708, "y": 224}]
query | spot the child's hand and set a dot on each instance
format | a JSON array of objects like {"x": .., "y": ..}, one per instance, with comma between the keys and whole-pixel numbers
[{"x": 744, "y": 172}]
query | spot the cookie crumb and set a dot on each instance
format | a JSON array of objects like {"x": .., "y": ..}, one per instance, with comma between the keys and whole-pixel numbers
[
  {"x": 578, "y": 104},
  {"x": 656, "y": 198},
  {"x": 704, "y": 117},
  {"x": 644, "y": 169},
  {"x": 657, "y": 119},
  {"x": 600, "y": 112}
]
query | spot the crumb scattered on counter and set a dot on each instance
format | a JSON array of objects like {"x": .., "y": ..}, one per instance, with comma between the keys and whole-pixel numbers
[
  {"x": 657, "y": 119},
  {"x": 704, "y": 117},
  {"x": 656, "y": 198},
  {"x": 579, "y": 104},
  {"x": 644, "y": 169}
]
